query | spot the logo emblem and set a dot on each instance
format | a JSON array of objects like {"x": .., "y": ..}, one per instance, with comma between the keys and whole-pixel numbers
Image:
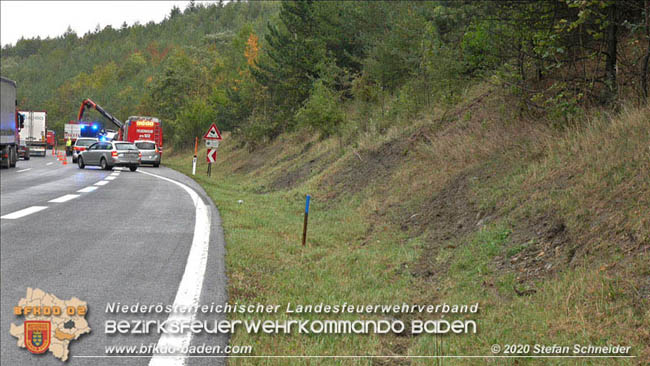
[{"x": 37, "y": 335}]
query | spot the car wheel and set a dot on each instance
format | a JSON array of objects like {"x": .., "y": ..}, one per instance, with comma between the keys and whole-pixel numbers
[
  {"x": 155, "y": 165},
  {"x": 103, "y": 164},
  {"x": 26, "y": 156},
  {"x": 81, "y": 164},
  {"x": 74, "y": 160},
  {"x": 133, "y": 168}
]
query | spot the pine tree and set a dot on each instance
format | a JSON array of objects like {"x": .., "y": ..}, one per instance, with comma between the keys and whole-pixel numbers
[{"x": 292, "y": 56}]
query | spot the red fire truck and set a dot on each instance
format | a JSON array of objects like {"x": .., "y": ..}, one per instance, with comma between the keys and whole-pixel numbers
[
  {"x": 51, "y": 139},
  {"x": 143, "y": 128},
  {"x": 135, "y": 127}
]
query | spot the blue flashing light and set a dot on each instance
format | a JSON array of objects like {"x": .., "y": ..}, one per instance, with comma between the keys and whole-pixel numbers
[
  {"x": 83, "y": 126},
  {"x": 94, "y": 127}
]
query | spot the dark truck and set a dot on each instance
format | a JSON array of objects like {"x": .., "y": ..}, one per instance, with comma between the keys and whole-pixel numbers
[{"x": 10, "y": 124}]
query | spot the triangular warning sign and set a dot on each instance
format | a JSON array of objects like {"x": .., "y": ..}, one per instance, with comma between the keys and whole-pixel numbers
[{"x": 213, "y": 133}]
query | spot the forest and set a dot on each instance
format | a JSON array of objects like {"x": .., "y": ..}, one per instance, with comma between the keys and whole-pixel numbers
[{"x": 339, "y": 68}]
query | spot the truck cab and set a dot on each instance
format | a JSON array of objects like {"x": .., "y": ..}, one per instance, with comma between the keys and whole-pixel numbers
[
  {"x": 51, "y": 139},
  {"x": 138, "y": 128}
]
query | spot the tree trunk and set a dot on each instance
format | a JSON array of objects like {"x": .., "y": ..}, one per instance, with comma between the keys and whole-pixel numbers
[
  {"x": 644, "y": 73},
  {"x": 521, "y": 60},
  {"x": 644, "y": 69},
  {"x": 610, "y": 61}
]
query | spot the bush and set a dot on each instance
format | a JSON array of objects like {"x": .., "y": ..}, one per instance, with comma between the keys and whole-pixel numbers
[
  {"x": 193, "y": 120},
  {"x": 404, "y": 107},
  {"x": 479, "y": 47},
  {"x": 257, "y": 129},
  {"x": 321, "y": 111}
]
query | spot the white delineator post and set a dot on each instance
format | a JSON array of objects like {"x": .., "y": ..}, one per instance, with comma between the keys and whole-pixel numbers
[{"x": 196, "y": 146}]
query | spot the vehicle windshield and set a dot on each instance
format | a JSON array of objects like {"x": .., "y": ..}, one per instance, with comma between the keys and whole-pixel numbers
[
  {"x": 85, "y": 142},
  {"x": 125, "y": 146},
  {"x": 146, "y": 145}
]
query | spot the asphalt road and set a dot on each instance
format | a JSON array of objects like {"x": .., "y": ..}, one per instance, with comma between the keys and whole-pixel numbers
[{"x": 128, "y": 240}]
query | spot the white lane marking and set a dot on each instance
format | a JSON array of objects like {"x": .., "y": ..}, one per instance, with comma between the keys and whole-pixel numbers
[
  {"x": 189, "y": 290},
  {"x": 115, "y": 174},
  {"x": 87, "y": 189},
  {"x": 64, "y": 198},
  {"x": 102, "y": 182},
  {"x": 23, "y": 212},
  {"x": 23, "y": 170},
  {"x": 109, "y": 178},
  {"x": 50, "y": 163}
]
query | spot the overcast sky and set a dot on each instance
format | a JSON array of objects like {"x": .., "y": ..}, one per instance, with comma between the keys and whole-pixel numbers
[{"x": 51, "y": 18}]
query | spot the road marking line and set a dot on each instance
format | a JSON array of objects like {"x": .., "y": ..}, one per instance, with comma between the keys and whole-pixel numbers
[
  {"x": 50, "y": 163},
  {"x": 102, "y": 183},
  {"x": 64, "y": 198},
  {"x": 23, "y": 212},
  {"x": 23, "y": 170},
  {"x": 189, "y": 290},
  {"x": 109, "y": 178},
  {"x": 115, "y": 174},
  {"x": 87, "y": 189}
]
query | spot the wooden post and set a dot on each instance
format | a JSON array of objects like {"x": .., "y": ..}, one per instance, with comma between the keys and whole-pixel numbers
[{"x": 304, "y": 227}]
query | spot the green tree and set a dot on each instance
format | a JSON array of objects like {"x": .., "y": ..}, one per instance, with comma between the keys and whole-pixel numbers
[
  {"x": 321, "y": 111},
  {"x": 293, "y": 52},
  {"x": 132, "y": 65},
  {"x": 192, "y": 121}
]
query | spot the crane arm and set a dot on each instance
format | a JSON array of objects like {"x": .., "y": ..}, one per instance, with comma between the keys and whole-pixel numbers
[{"x": 87, "y": 103}]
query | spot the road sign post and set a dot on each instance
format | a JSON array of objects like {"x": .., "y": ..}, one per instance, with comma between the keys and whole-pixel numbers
[
  {"x": 213, "y": 133},
  {"x": 212, "y": 138},
  {"x": 211, "y": 158},
  {"x": 212, "y": 144}
]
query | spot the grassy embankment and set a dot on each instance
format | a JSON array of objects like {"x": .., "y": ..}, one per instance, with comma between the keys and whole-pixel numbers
[{"x": 548, "y": 230}]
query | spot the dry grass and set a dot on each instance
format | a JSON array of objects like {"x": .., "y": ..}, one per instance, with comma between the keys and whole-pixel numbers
[{"x": 605, "y": 168}]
